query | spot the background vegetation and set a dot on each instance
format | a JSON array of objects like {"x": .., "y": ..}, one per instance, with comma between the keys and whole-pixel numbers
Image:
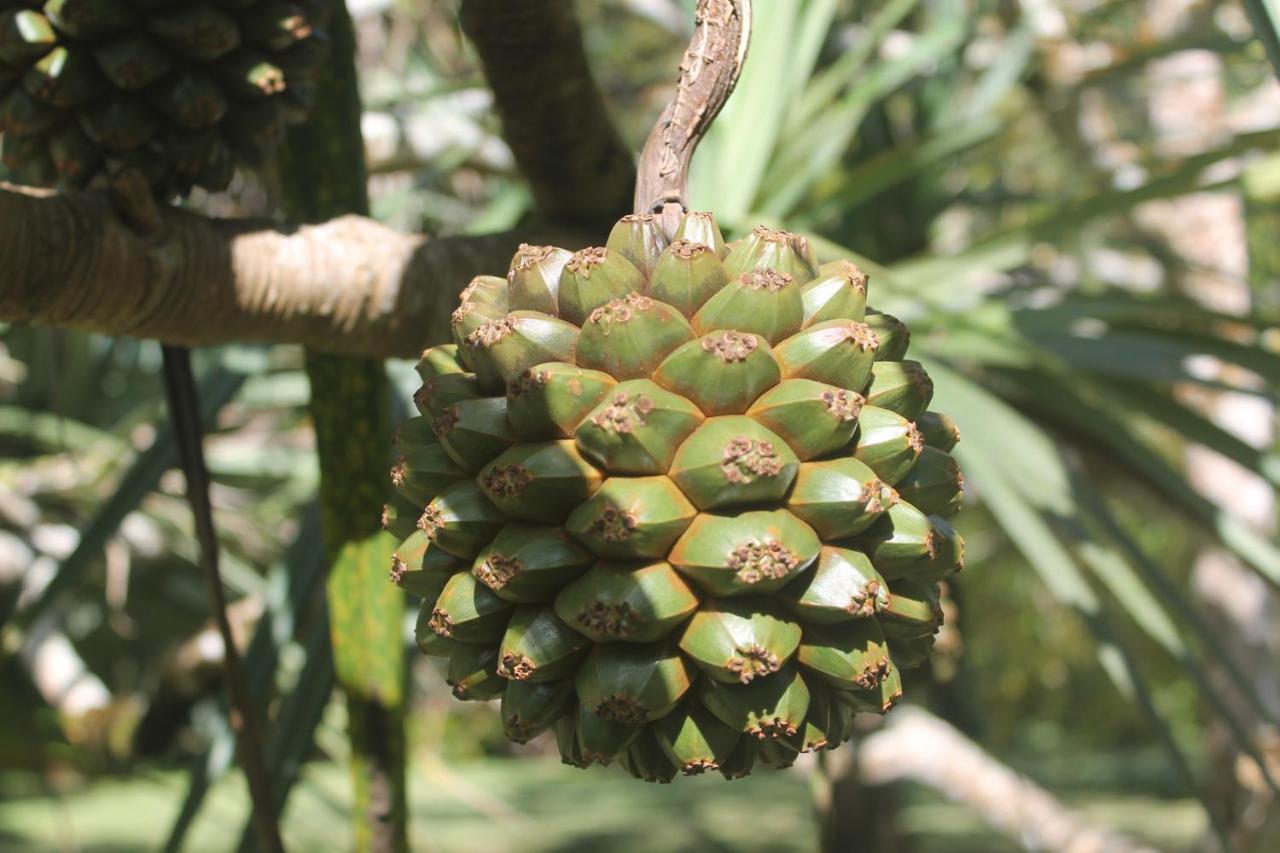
[{"x": 1074, "y": 204}]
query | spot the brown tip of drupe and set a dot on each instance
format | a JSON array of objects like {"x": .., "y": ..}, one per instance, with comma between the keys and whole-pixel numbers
[
  {"x": 491, "y": 332},
  {"x": 862, "y": 336},
  {"x": 865, "y": 602},
  {"x": 772, "y": 235},
  {"x": 744, "y": 459},
  {"x": 854, "y": 275},
  {"x": 765, "y": 278},
  {"x": 497, "y": 570},
  {"x": 506, "y": 481},
  {"x": 613, "y": 524},
  {"x": 297, "y": 26},
  {"x": 619, "y": 310},
  {"x": 623, "y": 709},
  {"x": 443, "y": 425},
  {"x": 527, "y": 382},
  {"x": 753, "y": 661},
  {"x": 516, "y": 667},
  {"x": 872, "y": 674},
  {"x": 529, "y": 256},
  {"x": 431, "y": 520},
  {"x": 688, "y": 249},
  {"x": 842, "y": 404},
  {"x": 585, "y": 260},
  {"x": 754, "y": 561},
  {"x": 441, "y": 623},
  {"x": 915, "y": 439},
  {"x": 931, "y": 543},
  {"x": 518, "y": 729},
  {"x": 398, "y": 569},
  {"x": 698, "y": 766},
  {"x": 730, "y": 345},
  {"x": 624, "y": 414},
  {"x": 773, "y": 729},
  {"x": 613, "y": 619}
]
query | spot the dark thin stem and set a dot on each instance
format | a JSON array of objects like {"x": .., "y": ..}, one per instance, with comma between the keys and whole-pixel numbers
[{"x": 180, "y": 389}]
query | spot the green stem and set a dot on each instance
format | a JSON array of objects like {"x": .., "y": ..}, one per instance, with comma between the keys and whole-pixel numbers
[{"x": 323, "y": 175}]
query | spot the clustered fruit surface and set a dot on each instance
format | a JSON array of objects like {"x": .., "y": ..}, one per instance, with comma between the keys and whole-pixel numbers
[
  {"x": 682, "y": 504},
  {"x": 181, "y": 91}
]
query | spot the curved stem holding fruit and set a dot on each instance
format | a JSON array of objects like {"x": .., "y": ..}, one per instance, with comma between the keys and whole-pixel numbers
[{"x": 708, "y": 73}]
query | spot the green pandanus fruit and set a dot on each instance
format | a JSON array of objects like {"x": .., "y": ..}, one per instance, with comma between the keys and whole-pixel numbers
[
  {"x": 179, "y": 91},
  {"x": 682, "y": 504}
]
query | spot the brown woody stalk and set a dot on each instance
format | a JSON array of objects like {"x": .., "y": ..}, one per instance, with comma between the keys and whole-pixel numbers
[{"x": 708, "y": 73}]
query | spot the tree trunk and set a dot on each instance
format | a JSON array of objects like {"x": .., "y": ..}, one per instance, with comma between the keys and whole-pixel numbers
[{"x": 323, "y": 176}]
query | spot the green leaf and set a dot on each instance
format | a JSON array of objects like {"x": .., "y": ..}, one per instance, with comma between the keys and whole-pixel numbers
[
  {"x": 1099, "y": 428},
  {"x": 823, "y": 89},
  {"x": 1265, "y": 16},
  {"x": 49, "y": 432},
  {"x": 1012, "y": 246},
  {"x": 740, "y": 142},
  {"x": 293, "y": 731},
  {"x": 813, "y": 150},
  {"x": 856, "y": 186},
  {"x": 216, "y": 390},
  {"x": 292, "y": 589},
  {"x": 1158, "y": 406},
  {"x": 1016, "y": 471},
  {"x": 322, "y": 174}
]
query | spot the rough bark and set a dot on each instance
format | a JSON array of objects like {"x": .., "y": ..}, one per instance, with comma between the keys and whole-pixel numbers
[
  {"x": 553, "y": 114},
  {"x": 322, "y": 174},
  {"x": 348, "y": 285}
]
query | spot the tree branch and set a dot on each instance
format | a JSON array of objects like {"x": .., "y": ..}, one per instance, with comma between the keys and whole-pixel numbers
[
  {"x": 918, "y": 746},
  {"x": 349, "y": 285},
  {"x": 553, "y": 114}
]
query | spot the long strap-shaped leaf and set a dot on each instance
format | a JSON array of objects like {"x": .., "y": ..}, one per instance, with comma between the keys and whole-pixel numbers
[
  {"x": 299, "y": 716},
  {"x": 216, "y": 390},
  {"x": 1265, "y": 16},
  {"x": 993, "y": 434},
  {"x": 1047, "y": 483},
  {"x": 300, "y": 571},
  {"x": 1116, "y": 437}
]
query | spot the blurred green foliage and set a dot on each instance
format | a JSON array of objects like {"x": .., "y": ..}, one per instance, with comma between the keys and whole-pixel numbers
[{"x": 990, "y": 168}]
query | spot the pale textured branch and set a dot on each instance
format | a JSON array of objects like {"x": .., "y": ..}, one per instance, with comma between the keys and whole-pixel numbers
[
  {"x": 349, "y": 285},
  {"x": 915, "y": 745}
]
